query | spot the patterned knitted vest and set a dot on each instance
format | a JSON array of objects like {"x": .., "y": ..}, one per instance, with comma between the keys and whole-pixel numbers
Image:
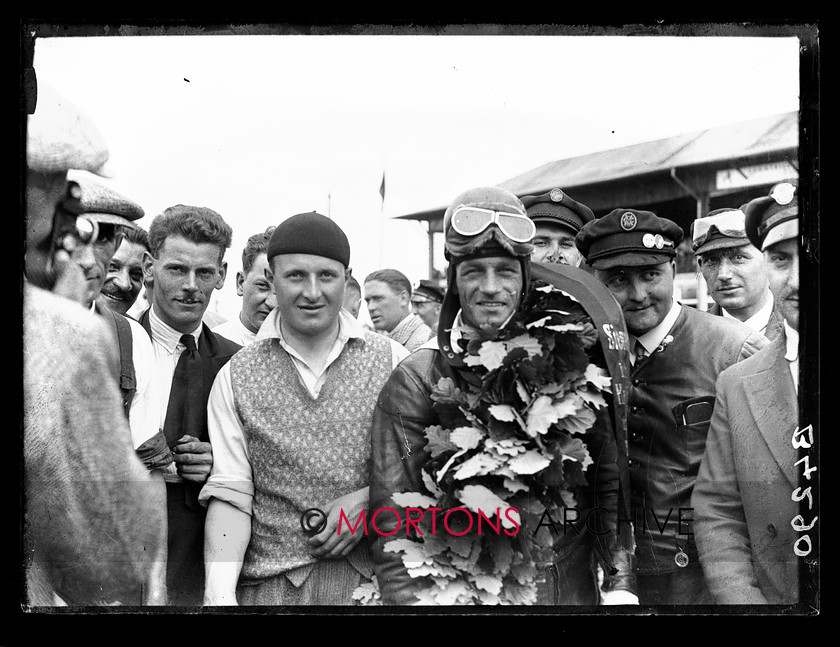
[{"x": 304, "y": 453}]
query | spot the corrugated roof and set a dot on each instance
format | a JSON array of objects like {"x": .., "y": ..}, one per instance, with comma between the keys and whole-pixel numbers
[{"x": 744, "y": 139}]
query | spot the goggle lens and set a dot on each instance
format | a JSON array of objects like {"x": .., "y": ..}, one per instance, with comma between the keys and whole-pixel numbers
[{"x": 471, "y": 221}]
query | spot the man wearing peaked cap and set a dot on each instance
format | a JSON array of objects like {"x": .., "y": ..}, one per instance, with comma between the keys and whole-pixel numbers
[
  {"x": 678, "y": 353},
  {"x": 734, "y": 271},
  {"x": 289, "y": 419},
  {"x": 558, "y": 219},
  {"x": 743, "y": 507},
  {"x": 93, "y": 528},
  {"x": 487, "y": 238},
  {"x": 426, "y": 300}
]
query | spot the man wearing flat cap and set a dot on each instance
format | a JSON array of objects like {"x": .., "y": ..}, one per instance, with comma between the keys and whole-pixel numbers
[
  {"x": 745, "y": 500},
  {"x": 558, "y": 219},
  {"x": 488, "y": 245},
  {"x": 92, "y": 530},
  {"x": 426, "y": 300},
  {"x": 289, "y": 419},
  {"x": 734, "y": 271},
  {"x": 677, "y": 354},
  {"x": 112, "y": 214}
]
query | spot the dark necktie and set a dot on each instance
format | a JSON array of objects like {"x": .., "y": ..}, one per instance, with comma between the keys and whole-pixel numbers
[
  {"x": 185, "y": 413},
  {"x": 640, "y": 352}
]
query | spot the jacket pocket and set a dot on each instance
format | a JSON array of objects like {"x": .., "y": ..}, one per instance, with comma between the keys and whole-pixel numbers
[{"x": 692, "y": 418}]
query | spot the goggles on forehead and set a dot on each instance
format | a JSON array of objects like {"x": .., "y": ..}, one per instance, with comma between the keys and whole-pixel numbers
[
  {"x": 471, "y": 221},
  {"x": 728, "y": 223}
]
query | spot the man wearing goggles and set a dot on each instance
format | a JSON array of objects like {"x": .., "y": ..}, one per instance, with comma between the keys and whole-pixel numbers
[
  {"x": 745, "y": 517},
  {"x": 487, "y": 243},
  {"x": 734, "y": 271}
]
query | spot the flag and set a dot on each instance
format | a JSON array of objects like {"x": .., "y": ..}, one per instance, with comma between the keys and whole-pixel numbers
[{"x": 382, "y": 187}]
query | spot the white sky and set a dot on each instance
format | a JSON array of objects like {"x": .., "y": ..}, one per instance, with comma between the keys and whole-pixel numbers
[{"x": 260, "y": 128}]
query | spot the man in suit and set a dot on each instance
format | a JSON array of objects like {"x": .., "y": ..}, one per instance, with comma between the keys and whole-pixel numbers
[
  {"x": 677, "y": 353},
  {"x": 744, "y": 503},
  {"x": 186, "y": 263},
  {"x": 735, "y": 271}
]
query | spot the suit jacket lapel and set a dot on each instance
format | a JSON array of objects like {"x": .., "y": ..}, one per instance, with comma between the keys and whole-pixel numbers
[{"x": 772, "y": 400}]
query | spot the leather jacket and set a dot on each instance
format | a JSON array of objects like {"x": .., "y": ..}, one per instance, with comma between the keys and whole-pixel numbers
[{"x": 404, "y": 410}]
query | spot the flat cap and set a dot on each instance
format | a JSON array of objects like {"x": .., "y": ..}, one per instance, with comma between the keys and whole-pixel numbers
[
  {"x": 775, "y": 217},
  {"x": 102, "y": 204},
  {"x": 628, "y": 237},
  {"x": 718, "y": 229},
  {"x": 60, "y": 137},
  {"x": 558, "y": 207},
  {"x": 427, "y": 290}
]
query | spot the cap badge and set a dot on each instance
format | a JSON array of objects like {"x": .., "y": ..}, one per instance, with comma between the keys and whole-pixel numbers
[
  {"x": 783, "y": 193},
  {"x": 648, "y": 240},
  {"x": 556, "y": 195},
  {"x": 628, "y": 221},
  {"x": 658, "y": 241}
]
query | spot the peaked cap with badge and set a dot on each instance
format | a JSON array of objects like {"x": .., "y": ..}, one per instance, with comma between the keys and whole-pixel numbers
[
  {"x": 628, "y": 237},
  {"x": 558, "y": 207},
  {"x": 775, "y": 217},
  {"x": 427, "y": 290}
]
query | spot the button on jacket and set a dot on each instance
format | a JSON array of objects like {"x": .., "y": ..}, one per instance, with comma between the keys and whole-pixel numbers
[{"x": 670, "y": 404}]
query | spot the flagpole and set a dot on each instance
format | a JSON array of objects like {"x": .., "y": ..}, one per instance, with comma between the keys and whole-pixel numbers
[{"x": 382, "y": 218}]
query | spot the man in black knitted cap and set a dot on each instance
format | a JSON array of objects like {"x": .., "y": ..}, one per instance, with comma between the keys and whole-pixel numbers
[
  {"x": 677, "y": 354},
  {"x": 488, "y": 245},
  {"x": 289, "y": 420}
]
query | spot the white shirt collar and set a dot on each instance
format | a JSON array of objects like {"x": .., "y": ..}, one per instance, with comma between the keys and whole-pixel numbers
[
  {"x": 759, "y": 320},
  {"x": 166, "y": 335},
  {"x": 348, "y": 327},
  {"x": 655, "y": 336},
  {"x": 792, "y": 337}
]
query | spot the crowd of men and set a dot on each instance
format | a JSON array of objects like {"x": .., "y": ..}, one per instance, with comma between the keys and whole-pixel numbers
[{"x": 169, "y": 459}]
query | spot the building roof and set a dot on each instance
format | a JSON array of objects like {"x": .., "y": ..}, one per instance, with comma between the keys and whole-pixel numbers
[{"x": 757, "y": 137}]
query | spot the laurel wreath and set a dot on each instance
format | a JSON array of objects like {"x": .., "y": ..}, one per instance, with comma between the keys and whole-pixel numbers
[{"x": 511, "y": 436}]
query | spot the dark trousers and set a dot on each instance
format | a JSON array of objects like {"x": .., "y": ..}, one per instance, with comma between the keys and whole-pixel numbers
[
  {"x": 683, "y": 587},
  {"x": 185, "y": 560}
]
